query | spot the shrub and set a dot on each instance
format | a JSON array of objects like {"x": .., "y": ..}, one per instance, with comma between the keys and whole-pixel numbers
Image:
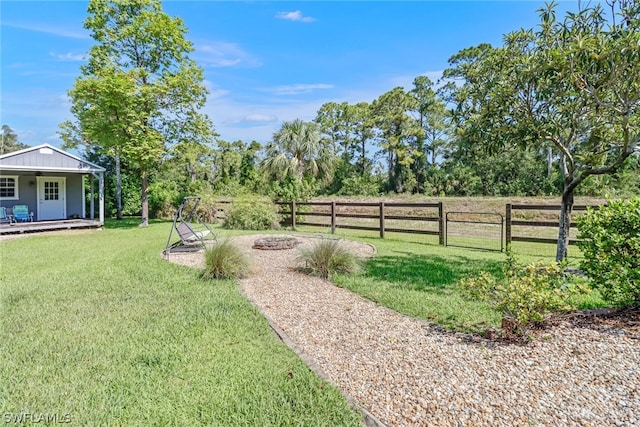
[
  {"x": 611, "y": 247},
  {"x": 208, "y": 209},
  {"x": 255, "y": 213},
  {"x": 328, "y": 257},
  {"x": 164, "y": 198},
  {"x": 360, "y": 186},
  {"x": 292, "y": 188},
  {"x": 224, "y": 260},
  {"x": 525, "y": 294}
]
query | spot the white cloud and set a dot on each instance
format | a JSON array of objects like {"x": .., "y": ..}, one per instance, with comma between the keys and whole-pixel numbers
[
  {"x": 297, "y": 89},
  {"x": 63, "y": 100},
  {"x": 53, "y": 139},
  {"x": 220, "y": 54},
  {"x": 296, "y": 15},
  {"x": 255, "y": 119},
  {"x": 55, "y": 31},
  {"x": 214, "y": 91},
  {"x": 68, "y": 56},
  {"x": 258, "y": 120}
]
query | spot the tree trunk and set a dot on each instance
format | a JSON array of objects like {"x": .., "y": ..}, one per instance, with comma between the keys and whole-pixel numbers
[
  {"x": 118, "y": 188},
  {"x": 565, "y": 223},
  {"x": 145, "y": 200},
  {"x": 390, "y": 167},
  {"x": 363, "y": 152}
]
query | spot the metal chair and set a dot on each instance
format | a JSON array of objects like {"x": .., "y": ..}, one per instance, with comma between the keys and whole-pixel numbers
[
  {"x": 191, "y": 230},
  {"x": 4, "y": 216},
  {"x": 20, "y": 213}
]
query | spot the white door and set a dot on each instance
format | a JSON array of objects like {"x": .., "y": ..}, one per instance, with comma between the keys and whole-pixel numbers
[{"x": 52, "y": 196}]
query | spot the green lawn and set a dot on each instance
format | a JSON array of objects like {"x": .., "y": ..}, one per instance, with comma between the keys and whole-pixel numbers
[
  {"x": 415, "y": 276},
  {"x": 99, "y": 327}
]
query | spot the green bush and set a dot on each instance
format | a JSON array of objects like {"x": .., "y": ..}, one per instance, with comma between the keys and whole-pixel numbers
[
  {"x": 254, "y": 213},
  {"x": 328, "y": 257},
  {"x": 526, "y": 293},
  {"x": 611, "y": 247},
  {"x": 164, "y": 197},
  {"x": 367, "y": 186},
  {"x": 208, "y": 208},
  {"x": 224, "y": 260},
  {"x": 292, "y": 188}
]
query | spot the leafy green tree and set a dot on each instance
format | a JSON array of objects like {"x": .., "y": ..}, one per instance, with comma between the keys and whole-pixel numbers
[
  {"x": 364, "y": 131},
  {"x": 336, "y": 126},
  {"x": 399, "y": 135},
  {"x": 74, "y": 138},
  {"x": 572, "y": 85},
  {"x": 140, "y": 92},
  {"x": 193, "y": 160},
  {"x": 121, "y": 185},
  {"x": 9, "y": 141},
  {"x": 432, "y": 116},
  {"x": 625, "y": 182},
  {"x": 235, "y": 167},
  {"x": 297, "y": 150}
]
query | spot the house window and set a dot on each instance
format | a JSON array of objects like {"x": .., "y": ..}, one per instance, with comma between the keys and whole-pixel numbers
[{"x": 8, "y": 188}]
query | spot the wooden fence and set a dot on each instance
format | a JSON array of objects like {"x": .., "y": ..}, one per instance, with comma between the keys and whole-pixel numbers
[
  {"x": 363, "y": 216},
  {"x": 292, "y": 211},
  {"x": 512, "y": 210}
]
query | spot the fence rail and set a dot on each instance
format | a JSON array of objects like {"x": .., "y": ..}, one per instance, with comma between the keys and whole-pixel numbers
[
  {"x": 384, "y": 217},
  {"x": 292, "y": 213},
  {"x": 510, "y": 223}
]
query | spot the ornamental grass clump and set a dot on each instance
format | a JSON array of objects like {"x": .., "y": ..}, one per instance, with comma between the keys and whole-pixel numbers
[
  {"x": 526, "y": 294},
  {"x": 327, "y": 257},
  {"x": 225, "y": 260}
]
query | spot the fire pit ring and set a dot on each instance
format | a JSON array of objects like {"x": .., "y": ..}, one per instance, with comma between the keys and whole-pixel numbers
[{"x": 275, "y": 243}]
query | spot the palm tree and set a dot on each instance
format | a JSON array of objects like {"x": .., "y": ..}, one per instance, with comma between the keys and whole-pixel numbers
[{"x": 297, "y": 150}]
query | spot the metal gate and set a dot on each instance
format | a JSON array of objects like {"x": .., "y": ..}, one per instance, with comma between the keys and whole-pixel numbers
[{"x": 475, "y": 230}]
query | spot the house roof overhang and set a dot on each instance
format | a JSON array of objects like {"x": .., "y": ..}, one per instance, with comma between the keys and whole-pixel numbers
[{"x": 46, "y": 158}]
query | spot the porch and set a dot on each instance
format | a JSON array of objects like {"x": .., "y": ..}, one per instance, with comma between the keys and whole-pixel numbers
[
  {"x": 50, "y": 186},
  {"x": 33, "y": 227}
]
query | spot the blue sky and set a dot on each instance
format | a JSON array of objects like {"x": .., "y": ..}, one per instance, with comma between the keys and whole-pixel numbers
[{"x": 264, "y": 62}]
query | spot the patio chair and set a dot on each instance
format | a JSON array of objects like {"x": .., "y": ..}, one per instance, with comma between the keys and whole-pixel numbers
[
  {"x": 20, "y": 213},
  {"x": 191, "y": 230},
  {"x": 188, "y": 235},
  {"x": 4, "y": 217}
]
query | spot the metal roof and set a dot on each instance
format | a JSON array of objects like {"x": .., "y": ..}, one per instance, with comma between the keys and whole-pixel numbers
[{"x": 46, "y": 158}]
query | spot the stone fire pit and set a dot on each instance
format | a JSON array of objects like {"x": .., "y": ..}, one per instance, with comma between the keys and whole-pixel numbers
[{"x": 275, "y": 243}]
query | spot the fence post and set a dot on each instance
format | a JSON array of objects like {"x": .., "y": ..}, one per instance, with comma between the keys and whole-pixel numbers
[
  {"x": 507, "y": 236},
  {"x": 333, "y": 217},
  {"x": 293, "y": 215},
  {"x": 441, "y": 229},
  {"x": 382, "y": 220}
]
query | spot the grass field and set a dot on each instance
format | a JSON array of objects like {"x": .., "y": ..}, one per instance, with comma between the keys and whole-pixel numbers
[
  {"x": 415, "y": 276},
  {"x": 473, "y": 209},
  {"x": 99, "y": 327}
]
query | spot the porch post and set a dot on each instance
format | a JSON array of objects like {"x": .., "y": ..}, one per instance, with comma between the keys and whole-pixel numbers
[
  {"x": 101, "y": 196},
  {"x": 92, "y": 208}
]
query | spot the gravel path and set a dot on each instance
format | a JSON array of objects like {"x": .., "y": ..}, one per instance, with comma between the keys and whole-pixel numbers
[{"x": 409, "y": 373}]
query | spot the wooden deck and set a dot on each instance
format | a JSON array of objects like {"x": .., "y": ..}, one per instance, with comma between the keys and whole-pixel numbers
[{"x": 39, "y": 226}]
